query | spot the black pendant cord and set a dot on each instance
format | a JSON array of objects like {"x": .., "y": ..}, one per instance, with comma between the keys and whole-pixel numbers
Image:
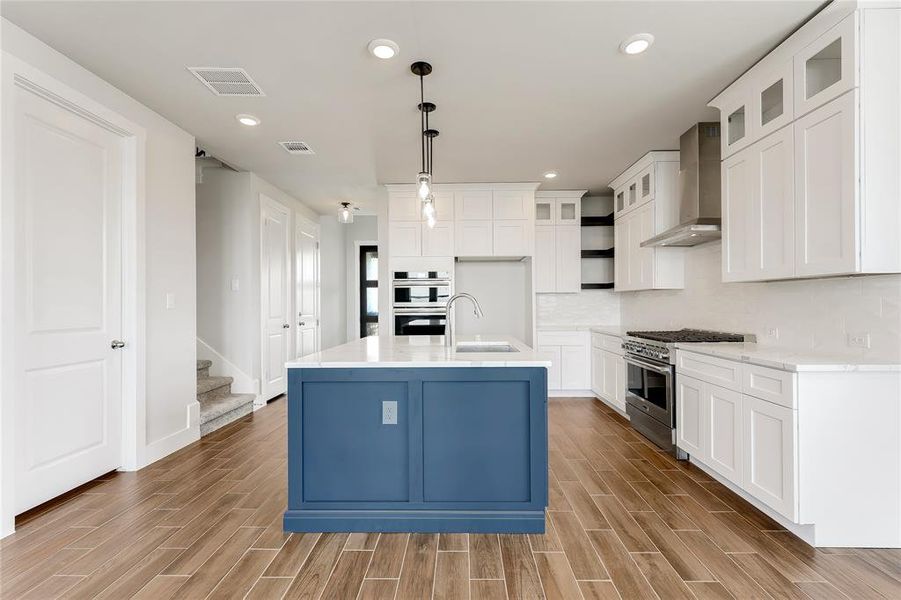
[
  {"x": 428, "y": 141},
  {"x": 423, "y": 120}
]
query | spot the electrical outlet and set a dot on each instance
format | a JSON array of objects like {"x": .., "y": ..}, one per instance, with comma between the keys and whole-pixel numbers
[
  {"x": 389, "y": 412},
  {"x": 772, "y": 332},
  {"x": 860, "y": 339}
]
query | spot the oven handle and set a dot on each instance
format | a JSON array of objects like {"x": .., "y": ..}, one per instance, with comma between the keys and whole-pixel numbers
[
  {"x": 648, "y": 366},
  {"x": 437, "y": 312},
  {"x": 411, "y": 283}
]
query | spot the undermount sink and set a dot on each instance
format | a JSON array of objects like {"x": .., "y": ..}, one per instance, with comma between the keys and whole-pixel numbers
[{"x": 485, "y": 347}]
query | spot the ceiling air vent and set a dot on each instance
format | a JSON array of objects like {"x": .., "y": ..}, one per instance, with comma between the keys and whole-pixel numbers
[
  {"x": 227, "y": 81},
  {"x": 296, "y": 147}
]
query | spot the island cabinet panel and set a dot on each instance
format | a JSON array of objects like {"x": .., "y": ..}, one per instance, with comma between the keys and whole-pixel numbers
[
  {"x": 348, "y": 454},
  {"x": 466, "y": 457},
  {"x": 465, "y": 449}
]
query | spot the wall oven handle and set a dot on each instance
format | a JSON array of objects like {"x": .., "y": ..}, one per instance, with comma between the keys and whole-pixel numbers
[
  {"x": 411, "y": 283},
  {"x": 648, "y": 366}
]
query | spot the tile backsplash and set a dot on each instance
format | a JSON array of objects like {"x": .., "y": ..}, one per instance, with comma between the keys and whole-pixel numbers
[
  {"x": 818, "y": 314},
  {"x": 590, "y": 307}
]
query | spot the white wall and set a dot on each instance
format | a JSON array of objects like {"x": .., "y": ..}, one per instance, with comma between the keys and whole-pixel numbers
[
  {"x": 503, "y": 289},
  {"x": 333, "y": 283},
  {"x": 810, "y": 314},
  {"x": 169, "y": 248},
  {"x": 228, "y": 247}
]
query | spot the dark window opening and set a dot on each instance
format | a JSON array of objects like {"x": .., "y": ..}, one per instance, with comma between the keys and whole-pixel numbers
[{"x": 369, "y": 291}]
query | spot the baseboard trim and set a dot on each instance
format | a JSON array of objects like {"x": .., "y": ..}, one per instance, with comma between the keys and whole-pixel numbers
[
  {"x": 436, "y": 521},
  {"x": 222, "y": 367},
  {"x": 618, "y": 410},
  {"x": 175, "y": 441}
]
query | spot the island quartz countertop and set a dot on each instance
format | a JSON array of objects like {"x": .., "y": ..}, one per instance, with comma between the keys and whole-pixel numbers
[{"x": 419, "y": 352}]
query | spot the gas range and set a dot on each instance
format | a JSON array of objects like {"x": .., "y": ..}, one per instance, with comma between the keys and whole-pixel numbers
[{"x": 659, "y": 345}]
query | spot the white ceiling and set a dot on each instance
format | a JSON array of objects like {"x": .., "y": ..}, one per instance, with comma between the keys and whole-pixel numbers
[{"x": 521, "y": 87}]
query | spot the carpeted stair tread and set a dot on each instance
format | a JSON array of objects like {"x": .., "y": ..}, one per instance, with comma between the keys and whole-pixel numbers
[
  {"x": 213, "y": 409},
  {"x": 207, "y": 384},
  {"x": 204, "y": 364}
]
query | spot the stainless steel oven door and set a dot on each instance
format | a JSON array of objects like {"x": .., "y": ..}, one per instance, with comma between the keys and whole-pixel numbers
[
  {"x": 430, "y": 294},
  {"x": 411, "y": 321},
  {"x": 649, "y": 388}
]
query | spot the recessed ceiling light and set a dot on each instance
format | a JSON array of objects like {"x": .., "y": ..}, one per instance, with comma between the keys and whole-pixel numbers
[
  {"x": 383, "y": 49},
  {"x": 550, "y": 174},
  {"x": 636, "y": 44},
  {"x": 249, "y": 120}
]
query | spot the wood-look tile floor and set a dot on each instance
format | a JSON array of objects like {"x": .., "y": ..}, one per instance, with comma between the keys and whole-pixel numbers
[{"x": 625, "y": 521}]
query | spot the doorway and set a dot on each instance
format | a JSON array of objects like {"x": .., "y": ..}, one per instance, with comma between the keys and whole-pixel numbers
[
  {"x": 306, "y": 240},
  {"x": 368, "y": 286},
  {"x": 275, "y": 292}
]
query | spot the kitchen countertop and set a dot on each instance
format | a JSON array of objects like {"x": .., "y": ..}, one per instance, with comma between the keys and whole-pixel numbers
[
  {"x": 788, "y": 359},
  {"x": 605, "y": 329},
  {"x": 616, "y": 330},
  {"x": 418, "y": 352}
]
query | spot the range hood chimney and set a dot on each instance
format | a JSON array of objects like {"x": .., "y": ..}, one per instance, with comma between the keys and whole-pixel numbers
[{"x": 700, "y": 211}]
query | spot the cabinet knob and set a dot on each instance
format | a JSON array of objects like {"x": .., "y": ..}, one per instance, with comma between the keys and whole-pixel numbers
[{"x": 286, "y": 326}]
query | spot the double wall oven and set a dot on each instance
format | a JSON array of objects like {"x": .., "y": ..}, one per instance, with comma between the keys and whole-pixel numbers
[{"x": 419, "y": 302}]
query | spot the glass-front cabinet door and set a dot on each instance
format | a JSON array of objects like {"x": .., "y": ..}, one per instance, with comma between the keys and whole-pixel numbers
[
  {"x": 568, "y": 211},
  {"x": 827, "y": 68},
  {"x": 737, "y": 123},
  {"x": 773, "y": 107},
  {"x": 619, "y": 201},
  {"x": 544, "y": 211}
]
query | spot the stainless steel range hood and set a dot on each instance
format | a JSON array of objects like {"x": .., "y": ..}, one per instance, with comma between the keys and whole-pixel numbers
[{"x": 700, "y": 213}]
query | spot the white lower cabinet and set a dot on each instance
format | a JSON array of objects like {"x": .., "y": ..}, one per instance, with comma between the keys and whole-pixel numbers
[
  {"x": 690, "y": 417},
  {"x": 724, "y": 424},
  {"x": 608, "y": 377},
  {"x": 747, "y": 440},
  {"x": 570, "y": 356},
  {"x": 769, "y": 431}
]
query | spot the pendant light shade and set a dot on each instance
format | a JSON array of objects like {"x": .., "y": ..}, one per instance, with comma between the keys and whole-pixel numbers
[
  {"x": 345, "y": 213},
  {"x": 424, "y": 186},
  {"x": 429, "y": 213}
]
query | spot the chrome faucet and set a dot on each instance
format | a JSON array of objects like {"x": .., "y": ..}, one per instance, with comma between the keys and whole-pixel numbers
[{"x": 449, "y": 319}]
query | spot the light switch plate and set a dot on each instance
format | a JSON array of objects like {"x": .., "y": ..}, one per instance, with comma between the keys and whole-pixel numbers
[
  {"x": 389, "y": 412},
  {"x": 170, "y": 301},
  {"x": 860, "y": 339},
  {"x": 236, "y": 285}
]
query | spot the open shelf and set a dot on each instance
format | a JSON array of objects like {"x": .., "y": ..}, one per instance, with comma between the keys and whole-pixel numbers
[
  {"x": 605, "y": 221},
  {"x": 599, "y": 253},
  {"x": 598, "y": 286}
]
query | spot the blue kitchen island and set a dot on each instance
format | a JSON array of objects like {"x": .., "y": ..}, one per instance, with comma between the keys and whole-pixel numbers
[{"x": 401, "y": 434}]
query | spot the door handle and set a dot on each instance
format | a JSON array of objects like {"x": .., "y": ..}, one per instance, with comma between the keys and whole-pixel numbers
[
  {"x": 116, "y": 344},
  {"x": 301, "y": 324},
  {"x": 286, "y": 326}
]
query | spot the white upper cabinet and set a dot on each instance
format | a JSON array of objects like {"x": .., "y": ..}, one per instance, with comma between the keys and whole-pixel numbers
[
  {"x": 438, "y": 240},
  {"x": 826, "y": 189},
  {"x": 736, "y": 122},
  {"x": 647, "y": 192},
  {"x": 814, "y": 190},
  {"x": 474, "y": 238},
  {"x": 512, "y": 205},
  {"x": 827, "y": 68},
  {"x": 472, "y": 205},
  {"x": 480, "y": 220},
  {"x": 758, "y": 208},
  {"x": 772, "y": 104},
  {"x": 404, "y": 206},
  {"x": 558, "y": 241}
]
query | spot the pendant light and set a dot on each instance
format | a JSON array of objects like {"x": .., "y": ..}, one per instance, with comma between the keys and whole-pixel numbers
[
  {"x": 345, "y": 213},
  {"x": 427, "y": 135}
]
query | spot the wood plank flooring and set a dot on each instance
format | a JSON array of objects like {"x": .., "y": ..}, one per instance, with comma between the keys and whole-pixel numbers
[{"x": 625, "y": 521}]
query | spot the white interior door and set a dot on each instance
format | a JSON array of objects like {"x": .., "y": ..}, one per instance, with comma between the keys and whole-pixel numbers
[
  {"x": 68, "y": 299},
  {"x": 276, "y": 296},
  {"x": 306, "y": 240}
]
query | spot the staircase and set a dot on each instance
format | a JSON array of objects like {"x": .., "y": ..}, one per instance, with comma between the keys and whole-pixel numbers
[{"x": 218, "y": 406}]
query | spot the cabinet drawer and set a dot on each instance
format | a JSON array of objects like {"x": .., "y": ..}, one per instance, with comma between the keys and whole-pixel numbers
[
  {"x": 772, "y": 385},
  {"x": 610, "y": 343},
  {"x": 714, "y": 370},
  {"x": 563, "y": 338}
]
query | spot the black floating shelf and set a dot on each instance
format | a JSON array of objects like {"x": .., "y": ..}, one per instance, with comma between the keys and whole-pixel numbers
[
  {"x": 605, "y": 253},
  {"x": 606, "y": 221},
  {"x": 597, "y": 286}
]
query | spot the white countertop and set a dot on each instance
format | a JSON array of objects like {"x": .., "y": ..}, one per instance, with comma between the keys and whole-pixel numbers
[
  {"x": 616, "y": 330},
  {"x": 605, "y": 329},
  {"x": 418, "y": 352},
  {"x": 789, "y": 359}
]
